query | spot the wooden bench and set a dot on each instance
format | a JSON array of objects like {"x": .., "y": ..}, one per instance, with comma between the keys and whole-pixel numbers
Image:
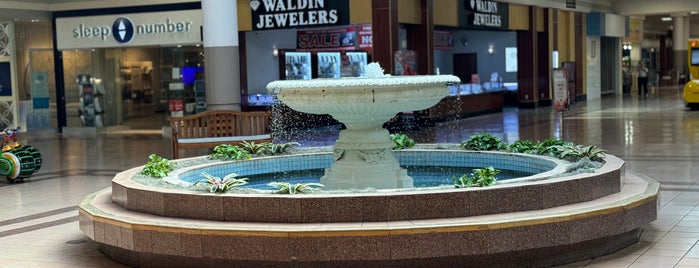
[{"x": 212, "y": 128}]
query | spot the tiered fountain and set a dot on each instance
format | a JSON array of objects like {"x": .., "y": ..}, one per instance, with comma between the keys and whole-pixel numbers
[
  {"x": 541, "y": 220},
  {"x": 362, "y": 155}
]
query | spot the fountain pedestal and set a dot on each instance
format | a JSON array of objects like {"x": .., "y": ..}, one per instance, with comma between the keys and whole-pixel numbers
[
  {"x": 363, "y": 159},
  {"x": 362, "y": 154}
]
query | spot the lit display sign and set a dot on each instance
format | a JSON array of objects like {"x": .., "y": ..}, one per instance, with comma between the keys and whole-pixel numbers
[
  {"x": 137, "y": 29},
  {"x": 281, "y": 14},
  {"x": 483, "y": 14}
]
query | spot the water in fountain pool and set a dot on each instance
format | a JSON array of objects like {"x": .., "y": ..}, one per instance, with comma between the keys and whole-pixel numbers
[{"x": 423, "y": 176}]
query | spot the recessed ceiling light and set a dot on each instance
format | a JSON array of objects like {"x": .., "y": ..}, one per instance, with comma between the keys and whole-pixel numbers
[
  {"x": 666, "y": 18},
  {"x": 694, "y": 12}
]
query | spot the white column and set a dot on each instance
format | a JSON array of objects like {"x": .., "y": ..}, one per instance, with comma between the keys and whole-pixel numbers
[
  {"x": 222, "y": 67},
  {"x": 680, "y": 35}
]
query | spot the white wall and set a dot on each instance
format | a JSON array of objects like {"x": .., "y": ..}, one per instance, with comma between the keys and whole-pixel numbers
[
  {"x": 262, "y": 66},
  {"x": 594, "y": 69},
  {"x": 614, "y": 25}
]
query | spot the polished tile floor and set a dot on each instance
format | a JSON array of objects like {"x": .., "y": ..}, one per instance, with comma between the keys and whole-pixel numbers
[{"x": 655, "y": 135}]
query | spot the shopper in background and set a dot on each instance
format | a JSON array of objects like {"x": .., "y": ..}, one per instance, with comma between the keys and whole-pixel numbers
[{"x": 642, "y": 79}]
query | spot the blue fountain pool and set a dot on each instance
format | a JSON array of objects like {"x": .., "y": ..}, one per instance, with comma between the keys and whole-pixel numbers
[{"x": 428, "y": 168}]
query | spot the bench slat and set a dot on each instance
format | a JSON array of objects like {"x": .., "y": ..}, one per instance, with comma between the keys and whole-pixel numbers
[{"x": 211, "y": 128}]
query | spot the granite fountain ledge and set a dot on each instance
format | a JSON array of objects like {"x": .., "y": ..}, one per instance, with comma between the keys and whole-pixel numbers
[
  {"x": 530, "y": 193},
  {"x": 542, "y": 237}
]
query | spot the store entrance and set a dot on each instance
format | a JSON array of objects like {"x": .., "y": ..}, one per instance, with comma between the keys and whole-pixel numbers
[{"x": 129, "y": 87}]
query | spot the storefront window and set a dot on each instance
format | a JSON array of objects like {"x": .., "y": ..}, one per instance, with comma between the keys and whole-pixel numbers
[{"x": 129, "y": 86}]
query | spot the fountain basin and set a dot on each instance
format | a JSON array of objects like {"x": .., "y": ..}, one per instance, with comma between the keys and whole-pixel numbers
[
  {"x": 566, "y": 219},
  {"x": 528, "y": 193}
]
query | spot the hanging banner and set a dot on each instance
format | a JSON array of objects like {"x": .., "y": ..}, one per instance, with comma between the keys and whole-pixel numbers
[
  {"x": 326, "y": 40},
  {"x": 560, "y": 89},
  {"x": 284, "y": 14}
]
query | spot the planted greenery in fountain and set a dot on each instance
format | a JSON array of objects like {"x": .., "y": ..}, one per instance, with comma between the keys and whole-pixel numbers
[
  {"x": 222, "y": 185},
  {"x": 295, "y": 188},
  {"x": 480, "y": 177},
  {"x": 157, "y": 167}
]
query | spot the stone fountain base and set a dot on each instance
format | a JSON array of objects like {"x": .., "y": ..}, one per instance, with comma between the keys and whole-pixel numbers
[
  {"x": 363, "y": 159},
  {"x": 539, "y": 223}
]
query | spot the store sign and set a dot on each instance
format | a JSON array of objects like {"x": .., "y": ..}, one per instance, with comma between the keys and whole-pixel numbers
[
  {"x": 331, "y": 39},
  {"x": 139, "y": 29},
  {"x": 282, "y": 14},
  {"x": 484, "y": 14},
  {"x": 570, "y": 3}
]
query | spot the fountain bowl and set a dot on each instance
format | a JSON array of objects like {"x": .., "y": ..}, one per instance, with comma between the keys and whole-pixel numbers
[{"x": 362, "y": 103}]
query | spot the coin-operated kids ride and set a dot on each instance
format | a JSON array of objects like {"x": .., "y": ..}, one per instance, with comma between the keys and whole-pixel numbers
[
  {"x": 18, "y": 161},
  {"x": 690, "y": 93}
]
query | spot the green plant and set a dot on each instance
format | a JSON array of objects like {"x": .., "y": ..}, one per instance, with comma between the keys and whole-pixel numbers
[
  {"x": 483, "y": 142},
  {"x": 219, "y": 185},
  {"x": 288, "y": 188},
  {"x": 480, "y": 177},
  {"x": 157, "y": 167},
  {"x": 274, "y": 148},
  {"x": 549, "y": 146},
  {"x": 252, "y": 147},
  {"x": 575, "y": 153},
  {"x": 229, "y": 152},
  {"x": 402, "y": 141},
  {"x": 522, "y": 146},
  {"x": 593, "y": 152}
]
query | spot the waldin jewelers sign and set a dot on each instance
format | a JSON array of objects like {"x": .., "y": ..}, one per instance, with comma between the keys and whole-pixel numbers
[
  {"x": 483, "y": 14},
  {"x": 282, "y": 14},
  {"x": 136, "y": 29}
]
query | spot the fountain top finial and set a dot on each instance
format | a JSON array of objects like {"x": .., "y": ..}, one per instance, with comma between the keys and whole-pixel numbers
[{"x": 374, "y": 70}]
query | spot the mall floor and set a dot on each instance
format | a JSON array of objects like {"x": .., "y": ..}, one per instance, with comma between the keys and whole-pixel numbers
[{"x": 656, "y": 135}]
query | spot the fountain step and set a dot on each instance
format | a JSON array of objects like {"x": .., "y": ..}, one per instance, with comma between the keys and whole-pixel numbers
[{"x": 539, "y": 237}]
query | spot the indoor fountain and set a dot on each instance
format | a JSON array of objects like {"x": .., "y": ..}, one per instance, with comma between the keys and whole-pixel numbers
[
  {"x": 362, "y": 154},
  {"x": 541, "y": 220}
]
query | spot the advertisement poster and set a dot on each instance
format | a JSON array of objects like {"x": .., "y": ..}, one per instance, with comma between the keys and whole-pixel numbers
[
  {"x": 326, "y": 40},
  {"x": 297, "y": 65},
  {"x": 329, "y": 64},
  {"x": 40, "y": 90},
  {"x": 443, "y": 40},
  {"x": 176, "y": 108},
  {"x": 560, "y": 90},
  {"x": 366, "y": 42},
  {"x": 405, "y": 62}
]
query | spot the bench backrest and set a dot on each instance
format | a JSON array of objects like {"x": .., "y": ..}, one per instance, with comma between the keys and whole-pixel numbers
[{"x": 220, "y": 123}]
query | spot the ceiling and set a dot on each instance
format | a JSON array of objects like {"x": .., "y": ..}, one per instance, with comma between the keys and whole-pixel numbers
[{"x": 650, "y": 10}]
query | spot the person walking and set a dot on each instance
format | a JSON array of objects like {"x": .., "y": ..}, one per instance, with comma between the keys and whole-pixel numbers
[{"x": 642, "y": 79}]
